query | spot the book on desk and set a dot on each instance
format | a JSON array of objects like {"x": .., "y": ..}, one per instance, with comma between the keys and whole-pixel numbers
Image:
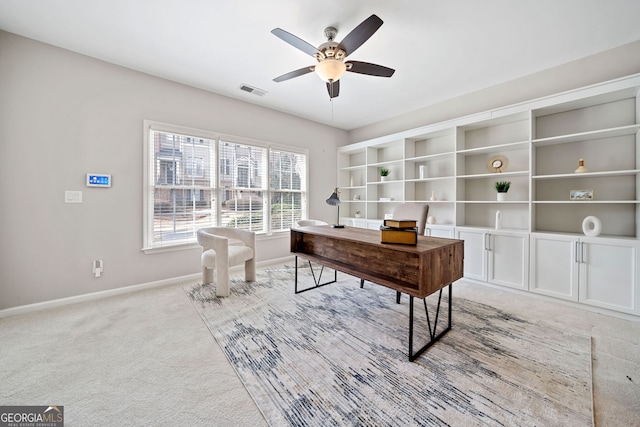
[
  {"x": 400, "y": 223},
  {"x": 403, "y": 231}
]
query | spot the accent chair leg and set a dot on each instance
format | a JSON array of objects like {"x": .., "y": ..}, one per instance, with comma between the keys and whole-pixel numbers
[
  {"x": 222, "y": 281},
  {"x": 250, "y": 270},
  {"x": 207, "y": 275},
  {"x": 398, "y": 295},
  {"x": 361, "y": 283}
]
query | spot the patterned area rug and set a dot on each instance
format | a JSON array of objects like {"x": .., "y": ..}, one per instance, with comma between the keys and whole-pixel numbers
[{"x": 337, "y": 355}]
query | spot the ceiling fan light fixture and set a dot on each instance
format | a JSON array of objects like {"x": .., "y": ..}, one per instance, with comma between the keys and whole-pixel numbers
[{"x": 330, "y": 70}]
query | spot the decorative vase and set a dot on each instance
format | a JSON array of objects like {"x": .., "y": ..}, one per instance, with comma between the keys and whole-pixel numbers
[
  {"x": 591, "y": 226},
  {"x": 502, "y": 197},
  {"x": 357, "y": 215},
  {"x": 423, "y": 171},
  {"x": 383, "y": 178},
  {"x": 581, "y": 168},
  {"x": 433, "y": 196}
]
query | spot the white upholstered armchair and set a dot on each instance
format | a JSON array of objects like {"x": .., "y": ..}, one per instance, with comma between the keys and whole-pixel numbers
[{"x": 224, "y": 247}]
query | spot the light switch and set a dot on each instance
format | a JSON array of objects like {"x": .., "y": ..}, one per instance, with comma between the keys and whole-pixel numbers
[{"x": 73, "y": 196}]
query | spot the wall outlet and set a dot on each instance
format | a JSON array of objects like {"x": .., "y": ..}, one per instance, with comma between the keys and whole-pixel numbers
[{"x": 98, "y": 267}]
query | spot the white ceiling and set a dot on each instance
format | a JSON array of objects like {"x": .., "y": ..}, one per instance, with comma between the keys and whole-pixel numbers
[{"x": 439, "y": 49}]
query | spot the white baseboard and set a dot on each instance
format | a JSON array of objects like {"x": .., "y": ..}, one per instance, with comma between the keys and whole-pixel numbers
[{"x": 13, "y": 311}]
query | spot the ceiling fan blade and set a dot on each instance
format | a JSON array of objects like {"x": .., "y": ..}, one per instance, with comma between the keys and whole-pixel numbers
[
  {"x": 292, "y": 74},
  {"x": 370, "y": 69},
  {"x": 360, "y": 34},
  {"x": 295, "y": 41},
  {"x": 333, "y": 89}
]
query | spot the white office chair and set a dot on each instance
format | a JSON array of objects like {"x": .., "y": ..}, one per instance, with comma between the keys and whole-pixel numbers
[
  {"x": 224, "y": 247},
  {"x": 415, "y": 211}
]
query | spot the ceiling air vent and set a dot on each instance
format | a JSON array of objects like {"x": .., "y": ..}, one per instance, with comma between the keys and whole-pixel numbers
[{"x": 253, "y": 90}]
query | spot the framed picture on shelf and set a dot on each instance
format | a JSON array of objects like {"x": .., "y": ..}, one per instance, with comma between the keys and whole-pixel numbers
[{"x": 581, "y": 195}]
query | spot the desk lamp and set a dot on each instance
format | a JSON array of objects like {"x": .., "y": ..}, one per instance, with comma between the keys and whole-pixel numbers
[{"x": 334, "y": 200}]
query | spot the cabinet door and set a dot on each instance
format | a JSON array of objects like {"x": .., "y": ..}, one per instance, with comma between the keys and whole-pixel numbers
[
  {"x": 359, "y": 222},
  {"x": 608, "y": 273},
  {"x": 475, "y": 263},
  {"x": 554, "y": 266},
  {"x": 508, "y": 260},
  {"x": 447, "y": 233}
]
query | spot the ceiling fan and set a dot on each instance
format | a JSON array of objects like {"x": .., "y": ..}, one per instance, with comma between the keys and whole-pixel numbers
[{"x": 331, "y": 55}]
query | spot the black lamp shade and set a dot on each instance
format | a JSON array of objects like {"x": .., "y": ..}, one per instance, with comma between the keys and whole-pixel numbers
[{"x": 334, "y": 200}]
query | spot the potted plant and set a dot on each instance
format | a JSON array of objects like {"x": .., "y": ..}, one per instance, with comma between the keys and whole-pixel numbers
[
  {"x": 502, "y": 187},
  {"x": 384, "y": 173},
  {"x": 357, "y": 214}
]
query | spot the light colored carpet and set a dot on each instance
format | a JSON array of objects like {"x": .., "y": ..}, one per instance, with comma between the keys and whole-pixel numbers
[
  {"x": 337, "y": 355},
  {"x": 147, "y": 358},
  {"x": 140, "y": 359}
]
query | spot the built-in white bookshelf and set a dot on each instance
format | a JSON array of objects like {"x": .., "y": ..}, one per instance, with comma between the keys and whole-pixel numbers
[{"x": 450, "y": 167}]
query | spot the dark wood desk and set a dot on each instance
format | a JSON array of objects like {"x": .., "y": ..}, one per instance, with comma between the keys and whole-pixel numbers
[{"x": 419, "y": 271}]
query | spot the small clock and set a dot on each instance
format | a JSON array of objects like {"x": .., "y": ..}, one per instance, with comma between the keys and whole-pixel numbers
[{"x": 497, "y": 163}]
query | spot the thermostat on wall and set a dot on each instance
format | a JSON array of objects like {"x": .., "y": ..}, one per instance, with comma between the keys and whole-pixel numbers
[{"x": 98, "y": 180}]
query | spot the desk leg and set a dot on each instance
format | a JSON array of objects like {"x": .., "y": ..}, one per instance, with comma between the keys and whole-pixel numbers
[
  {"x": 315, "y": 280},
  {"x": 432, "y": 331}
]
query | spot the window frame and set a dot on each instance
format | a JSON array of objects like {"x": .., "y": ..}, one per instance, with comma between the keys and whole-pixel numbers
[{"x": 149, "y": 185}]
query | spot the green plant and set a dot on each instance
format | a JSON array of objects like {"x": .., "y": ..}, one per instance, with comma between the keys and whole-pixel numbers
[
  {"x": 384, "y": 172},
  {"x": 502, "y": 186}
]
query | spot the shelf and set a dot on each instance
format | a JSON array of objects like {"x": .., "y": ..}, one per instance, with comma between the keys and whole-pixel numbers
[
  {"x": 629, "y": 172},
  {"x": 430, "y": 201},
  {"x": 586, "y": 136},
  {"x": 522, "y": 145},
  {"x": 495, "y": 202},
  {"x": 435, "y": 178},
  {"x": 581, "y": 235},
  {"x": 429, "y": 157},
  {"x": 352, "y": 168},
  {"x": 393, "y": 181},
  {"x": 494, "y": 175},
  {"x": 493, "y": 230}
]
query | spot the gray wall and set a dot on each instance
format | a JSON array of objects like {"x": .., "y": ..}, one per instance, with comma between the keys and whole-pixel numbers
[
  {"x": 608, "y": 65},
  {"x": 63, "y": 115}
]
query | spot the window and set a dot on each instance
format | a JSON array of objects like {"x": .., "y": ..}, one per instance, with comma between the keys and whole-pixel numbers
[
  {"x": 196, "y": 179},
  {"x": 243, "y": 186},
  {"x": 287, "y": 177}
]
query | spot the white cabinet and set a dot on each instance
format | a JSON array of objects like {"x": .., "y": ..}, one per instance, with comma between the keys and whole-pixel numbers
[
  {"x": 554, "y": 266},
  {"x": 602, "y": 272},
  {"x": 608, "y": 273},
  {"x": 439, "y": 231},
  {"x": 354, "y": 222},
  {"x": 496, "y": 256}
]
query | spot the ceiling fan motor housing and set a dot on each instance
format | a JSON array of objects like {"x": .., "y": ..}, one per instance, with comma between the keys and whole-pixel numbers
[{"x": 330, "y": 33}]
